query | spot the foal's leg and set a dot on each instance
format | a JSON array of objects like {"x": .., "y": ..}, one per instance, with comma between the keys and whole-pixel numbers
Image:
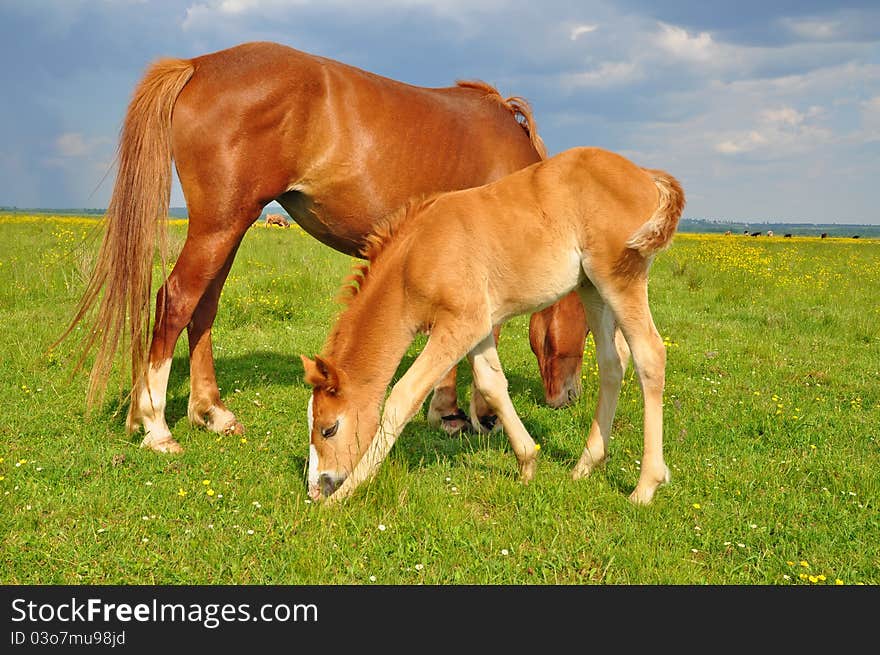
[
  {"x": 445, "y": 412},
  {"x": 490, "y": 381},
  {"x": 445, "y": 347},
  {"x": 630, "y": 305},
  {"x": 200, "y": 262},
  {"x": 611, "y": 369},
  {"x": 205, "y": 406}
]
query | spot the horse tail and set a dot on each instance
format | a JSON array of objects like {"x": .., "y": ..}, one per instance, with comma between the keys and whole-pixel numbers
[
  {"x": 119, "y": 290},
  {"x": 656, "y": 234},
  {"x": 519, "y": 107}
]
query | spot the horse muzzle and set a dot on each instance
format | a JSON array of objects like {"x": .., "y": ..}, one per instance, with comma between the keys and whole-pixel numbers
[{"x": 325, "y": 485}]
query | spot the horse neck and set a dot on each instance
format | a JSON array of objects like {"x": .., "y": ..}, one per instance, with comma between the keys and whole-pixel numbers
[{"x": 372, "y": 335}]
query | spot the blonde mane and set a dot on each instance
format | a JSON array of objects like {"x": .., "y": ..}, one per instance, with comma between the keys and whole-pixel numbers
[{"x": 385, "y": 229}]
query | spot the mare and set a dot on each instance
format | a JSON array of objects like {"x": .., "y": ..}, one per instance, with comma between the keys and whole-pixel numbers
[
  {"x": 456, "y": 264},
  {"x": 337, "y": 147}
]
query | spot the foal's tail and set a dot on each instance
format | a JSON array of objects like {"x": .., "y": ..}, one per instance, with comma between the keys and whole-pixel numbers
[
  {"x": 121, "y": 283},
  {"x": 519, "y": 107},
  {"x": 656, "y": 234}
]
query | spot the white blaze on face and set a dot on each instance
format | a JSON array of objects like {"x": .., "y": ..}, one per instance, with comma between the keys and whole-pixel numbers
[{"x": 314, "y": 489}]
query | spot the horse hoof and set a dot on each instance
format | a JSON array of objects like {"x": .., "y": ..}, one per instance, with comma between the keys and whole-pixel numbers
[
  {"x": 487, "y": 424},
  {"x": 163, "y": 445}
]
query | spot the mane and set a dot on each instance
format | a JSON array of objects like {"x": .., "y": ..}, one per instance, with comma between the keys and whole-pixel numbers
[
  {"x": 518, "y": 106},
  {"x": 384, "y": 231}
]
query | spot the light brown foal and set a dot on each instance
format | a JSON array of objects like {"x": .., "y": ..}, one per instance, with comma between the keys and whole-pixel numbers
[
  {"x": 459, "y": 263},
  {"x": 336, "y": 146}
]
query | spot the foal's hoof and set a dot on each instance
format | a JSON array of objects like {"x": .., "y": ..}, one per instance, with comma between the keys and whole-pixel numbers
[
  {"x": 165, "y": 444},
  {"x": 644, "y": 491},
  {"x": 234, "y": 427},
  {"x": 527, "y": 469},
  {"x": 587, "y": 464}
]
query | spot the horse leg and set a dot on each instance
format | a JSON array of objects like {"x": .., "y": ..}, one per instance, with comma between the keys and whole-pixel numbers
[
  {"x": 205, "y": 406},
  {"x": 632, "y": 313},
  {"x": 483, "y": 418},
  {"x": 199, "y": 264},
  {"x": 443, "y": 410},
  {"x": 448, "y": 343},
  {"x": 489, "y": 379},
  {"x": 611, "y": 369}
]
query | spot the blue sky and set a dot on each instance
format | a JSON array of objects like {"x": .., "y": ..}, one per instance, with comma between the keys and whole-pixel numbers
[{"x": 765, "y": 110}]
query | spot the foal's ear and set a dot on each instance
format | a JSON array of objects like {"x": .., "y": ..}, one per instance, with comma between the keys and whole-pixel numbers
[{"x": 321, "y": 374}]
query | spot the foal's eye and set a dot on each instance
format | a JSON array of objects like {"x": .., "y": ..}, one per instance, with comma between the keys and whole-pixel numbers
[{"x": 329, "y": 432}]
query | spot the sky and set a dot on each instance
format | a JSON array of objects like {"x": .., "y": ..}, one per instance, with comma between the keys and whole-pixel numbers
[{"x": 765, "y": 110}]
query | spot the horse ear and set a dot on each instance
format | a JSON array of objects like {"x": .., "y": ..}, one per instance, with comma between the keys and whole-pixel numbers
[{"x": 321, "y": 374}]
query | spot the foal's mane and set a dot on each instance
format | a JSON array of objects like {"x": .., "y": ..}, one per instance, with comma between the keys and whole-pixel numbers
[
  {"x": 387, "y": 227},
  {"x": 384, "y": 231},
  {"x": 518, "y": 106}
]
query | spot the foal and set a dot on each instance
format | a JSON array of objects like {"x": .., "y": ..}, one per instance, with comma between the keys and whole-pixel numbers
[{"x": 586, "y": 220}]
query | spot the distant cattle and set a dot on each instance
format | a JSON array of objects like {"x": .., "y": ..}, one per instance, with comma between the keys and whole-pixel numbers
[
  {"x": 824, "y": 235},
  {"x": 855, "y": 236},
  {"x": 727, "y": 233},
  {"x": 787, "y": 235},
  {"x": 277, "y": 219},
  {"x": 769, "y": 233},
  {"x": 756, "y": 234}
]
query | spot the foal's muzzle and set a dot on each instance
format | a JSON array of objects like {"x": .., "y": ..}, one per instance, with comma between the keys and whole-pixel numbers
[{"x": 328, "y": 483}]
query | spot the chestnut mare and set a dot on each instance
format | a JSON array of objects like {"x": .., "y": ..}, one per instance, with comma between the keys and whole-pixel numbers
[
  {"x": 336, "y": 146},
  {"x": 461, "y": 262}
]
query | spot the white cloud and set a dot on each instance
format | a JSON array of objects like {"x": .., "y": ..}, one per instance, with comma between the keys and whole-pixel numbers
[
  {"x": 784, "y": 115},
  {"x": 780, "y": 132},
  {"x": 608, "y": 73},
  {"x": 813, "y": 29},
  {"x": 677, "y": 42},
  {"x": 743, "y": 143},
  {"x": 580, "y": 30},
  {"x": 204, "y": 14},
  {"x": 870, "y": 110},
  {"x": 72, "y": 144}
]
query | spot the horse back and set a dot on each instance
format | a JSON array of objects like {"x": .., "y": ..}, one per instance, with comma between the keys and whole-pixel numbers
[{"x": 338, "y": 146}]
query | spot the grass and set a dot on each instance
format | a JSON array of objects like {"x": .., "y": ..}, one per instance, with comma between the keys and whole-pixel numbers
[{"x": 771, "y": 433}]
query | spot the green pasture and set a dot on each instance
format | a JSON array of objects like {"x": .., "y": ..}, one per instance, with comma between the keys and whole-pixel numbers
[{"x": 771, "y": 433}]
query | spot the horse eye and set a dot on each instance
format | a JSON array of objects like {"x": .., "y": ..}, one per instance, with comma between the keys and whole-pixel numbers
[{"x": 329, "y": 432}]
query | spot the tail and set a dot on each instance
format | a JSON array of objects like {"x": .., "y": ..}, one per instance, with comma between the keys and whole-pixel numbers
[
  {"x": 519, "y": 107},
  {"x": 120, "y": 286},
  {"x": 656, "y": 234}
]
